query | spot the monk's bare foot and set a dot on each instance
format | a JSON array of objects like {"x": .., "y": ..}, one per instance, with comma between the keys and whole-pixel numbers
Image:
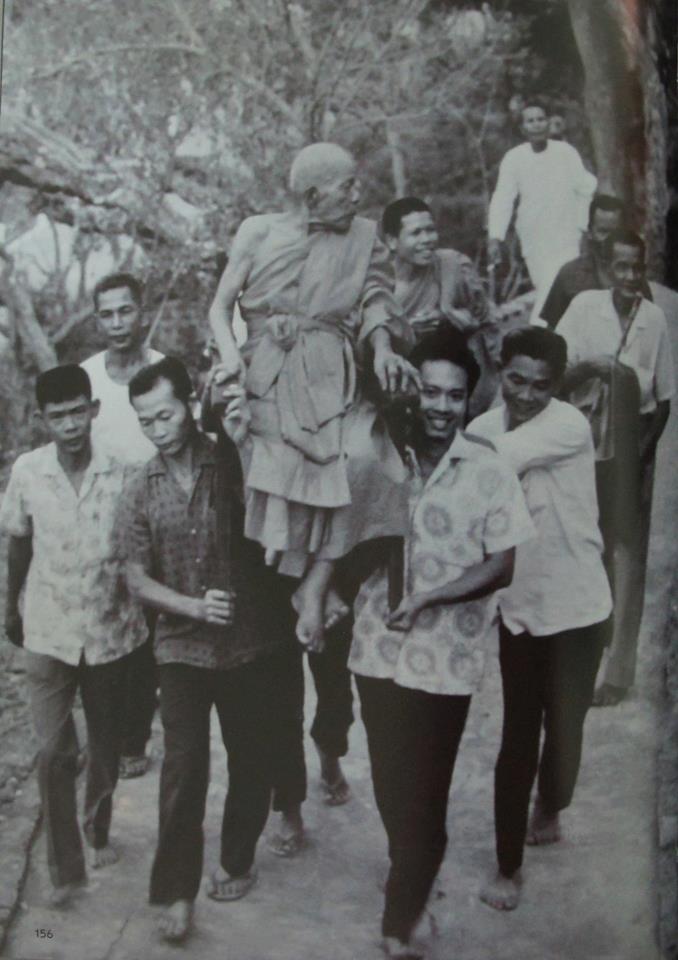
[
  {"x": 61, "y": 897},
  {"x": 102, "y": 857},
  {"x": 308, "y": 604},
  {"x": 543, "y": 828},
  {"x": 393, "y": 947},
  {"x": 288, "y": 838},
  {"x": 335, "y": 609},
  {"x": 175, "y": 922},
  {"x": 502, "y": 893},
  {"x": 333, "y": 784},
  {"x": 607, "y": 695}
]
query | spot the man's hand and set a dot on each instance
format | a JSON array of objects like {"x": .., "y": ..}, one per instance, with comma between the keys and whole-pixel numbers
[
  {"x": 235, "y": 416},
  {"x": 407, "y": 612},
  {"x": 217, "y": 608},
  {"x": 14, "y": 628},
  {"x": 494, "y": 251},
  {"x": 394, "y": 373}
]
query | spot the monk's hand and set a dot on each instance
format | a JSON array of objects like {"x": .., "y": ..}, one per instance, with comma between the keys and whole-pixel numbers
[
  {"x": 283, "y": 329},
  {"x": 493, "y": 252},
  {"x": 229, "y": 371},
  {"x": 405, "y": 614},
  {"x": 394, "y": 373},
  {"x": 235, "y": 416},
  {"x": 217, "y": 607}
]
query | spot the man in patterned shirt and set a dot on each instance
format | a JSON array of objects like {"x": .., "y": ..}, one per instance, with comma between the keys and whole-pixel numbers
[
  {"x": 79, "y": 625},
  {"x": 417, "y": 666}
]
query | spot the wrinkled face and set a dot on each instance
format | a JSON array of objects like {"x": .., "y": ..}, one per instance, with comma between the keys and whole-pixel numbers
[
  {"x": 164, "y": 419},
  {"x": 120, "y": 320},
  {"x": 627, "y": 269},
  {"x": 442, "y": 399},
  {"x": 69, "y": 423},
  {"x": 603, "y": 225},
  {"x": 335, "y": 203},
  {"x": 535, "y": 125},
  {"x": 527, "y": 386},
  {"x": 417, "y": 241}
]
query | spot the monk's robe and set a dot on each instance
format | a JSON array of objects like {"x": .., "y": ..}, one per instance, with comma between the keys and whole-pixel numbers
[
  {"x": 324, "y": 474},
  {"x": 449, "y": 291}
]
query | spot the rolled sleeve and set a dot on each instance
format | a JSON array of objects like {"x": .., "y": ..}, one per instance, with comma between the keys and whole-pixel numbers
[
  {"x": 15, "y": 517},
  {"x": 507, "y": 522}
]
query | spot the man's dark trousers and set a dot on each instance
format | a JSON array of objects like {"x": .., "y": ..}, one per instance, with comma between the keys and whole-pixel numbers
[
  {"x": 242, "y": 696},
  {"x": 333, "y": 715},
  {"x": 413, "y": 738},
  {"x": 546, "y": 680},
  {"x": 53, "y": 686},
  {"x": 141, "y": 684}
]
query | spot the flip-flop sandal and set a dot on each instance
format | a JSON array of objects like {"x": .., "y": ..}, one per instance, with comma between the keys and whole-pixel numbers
[
  {"x": 286, "y": 846},
  {"x": 335, "y": 794},
  {"x": 131, "y": 767},
  {"x": 223, "y": 891}
]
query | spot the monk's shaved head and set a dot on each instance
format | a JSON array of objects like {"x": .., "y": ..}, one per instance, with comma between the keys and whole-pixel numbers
[{"x": 317, "y": 165}]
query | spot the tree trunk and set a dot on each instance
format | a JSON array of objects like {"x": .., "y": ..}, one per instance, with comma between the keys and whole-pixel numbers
[
  {"x": 398, "y": 170},
  {"x": 626, "y": 107}
]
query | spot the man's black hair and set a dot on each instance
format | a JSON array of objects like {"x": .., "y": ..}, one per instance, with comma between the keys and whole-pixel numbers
[
  {"x": 447, "y": 344},
  {"x": 60, "y": 384},
  {"x": 114, "y": 281},
  {"x": 534, "y": 100},
  {"x": 392, "y": 217},
  {"x": 539, "y": 343},
  {"x": 169, "y": 368},
  {"x": 626, "y": 238},
  {"x": 608, "y": 203}
]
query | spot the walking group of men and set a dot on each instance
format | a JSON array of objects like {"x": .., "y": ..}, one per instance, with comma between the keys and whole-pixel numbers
[{"x": 331, "y": 489}]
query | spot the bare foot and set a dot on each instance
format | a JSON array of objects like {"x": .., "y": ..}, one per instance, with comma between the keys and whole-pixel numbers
[
  {"x": 223, "y": 887},
  {"x": 543, "y": 828},
  {"x": 393, "y": 947},
  {"x": 502, "y": 893},
  {"x": 61, "y": 897},
  {"x": 288, "y": 837},
  {"x": 335, "y": 609},
  {"x": 333, "y": 784},
  {"x": 308, "y": 604},
  {"x": 607, "y": 695},
  {"x": 102, "y": 856},
  {"x": 175, "y": 922}
]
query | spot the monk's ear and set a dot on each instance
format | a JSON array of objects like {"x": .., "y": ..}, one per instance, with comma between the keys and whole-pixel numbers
[{"x": 311, "y": 197}]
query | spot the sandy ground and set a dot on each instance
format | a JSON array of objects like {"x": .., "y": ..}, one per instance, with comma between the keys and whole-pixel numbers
[{"x": 591, "y": 897}]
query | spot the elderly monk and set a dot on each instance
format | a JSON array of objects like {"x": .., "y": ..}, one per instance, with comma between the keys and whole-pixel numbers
[
  {"x": 440, "y": 287},
  {"x": 314, "y": 290}
]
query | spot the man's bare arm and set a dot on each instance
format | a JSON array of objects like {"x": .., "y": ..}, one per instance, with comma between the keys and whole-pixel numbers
[
  {"x": 233, "y": 279},
  {"x": 216, "y": 607},
  {"x": 491, "y": 574},
  {"x": 19, "y": 555}
]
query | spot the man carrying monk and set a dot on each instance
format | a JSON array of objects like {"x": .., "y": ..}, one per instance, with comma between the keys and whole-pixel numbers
[
  {"x": 435, "y": 288},
  {"x": 314, "y": 290}
]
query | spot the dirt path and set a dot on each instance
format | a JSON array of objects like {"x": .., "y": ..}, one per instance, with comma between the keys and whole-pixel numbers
[{"x": 593, "y": 897}]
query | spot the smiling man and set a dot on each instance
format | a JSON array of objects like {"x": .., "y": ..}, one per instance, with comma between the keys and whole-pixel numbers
[
  {"x": 552, "y": 189},
  {"x": 79, "y": 625},
  {"x": 438, "y": 287},
  {"x": 554, "y": 615},
  {"x": 417, "y": 666},
  {"x": 120, "y": 318}
]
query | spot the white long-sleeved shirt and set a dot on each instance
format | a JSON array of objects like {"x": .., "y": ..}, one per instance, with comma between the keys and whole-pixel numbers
[
  {"x": 553, "y": 189},
  {"x": 559, "y": 582}
]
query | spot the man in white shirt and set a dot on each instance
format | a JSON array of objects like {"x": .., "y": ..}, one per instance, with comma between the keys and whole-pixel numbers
[
  {"x": 555, "y": 613},
  {"x": 417, "y": 665},
  {"x": 118, "y": 306},
  {"x": 613, "y": 336},
  {"x": 552, "y": 188}
]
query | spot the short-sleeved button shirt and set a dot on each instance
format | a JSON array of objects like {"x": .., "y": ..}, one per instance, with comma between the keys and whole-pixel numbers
[
  {"x": 76, "y": 601},
  {"x": 591, "y": 328},
  {"x": 173, "y": 536},
  {"x": 469, "y": 507}
]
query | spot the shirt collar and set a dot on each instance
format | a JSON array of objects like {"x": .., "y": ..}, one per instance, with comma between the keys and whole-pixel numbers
[
  {"x": 203, "y": 455},
  {"x": 461, "y": 448},
  {"x": 101, "y": 461},
  {"x": 609, "y": 312}
]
